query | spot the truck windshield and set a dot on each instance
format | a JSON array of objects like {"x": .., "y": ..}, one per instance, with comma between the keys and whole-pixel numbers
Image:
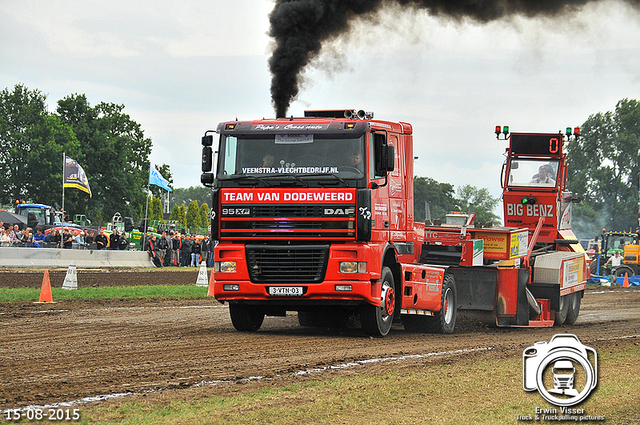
[
  {"x": 39, "y": 212},
  {"x": 290, "y": 155},
  {"x": 530, "y": 172}
]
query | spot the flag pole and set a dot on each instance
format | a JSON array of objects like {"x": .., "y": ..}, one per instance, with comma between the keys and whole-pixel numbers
[
  {"x": 146, "y": 210},
  {"x": 64, "y": 164}
]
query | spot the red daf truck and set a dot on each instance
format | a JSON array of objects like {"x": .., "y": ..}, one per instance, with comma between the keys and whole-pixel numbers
[{"x": 315, "y": 215}]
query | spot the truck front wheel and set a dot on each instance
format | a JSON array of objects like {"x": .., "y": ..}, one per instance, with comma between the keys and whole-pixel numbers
[
  {"x": 246, "y": 319},
  {"x": 377, "y": 320}
]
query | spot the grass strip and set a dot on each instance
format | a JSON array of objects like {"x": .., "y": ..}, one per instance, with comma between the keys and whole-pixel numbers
[
  {"x": 461, "y": 392},
  {"x": 8, "y": 295}
]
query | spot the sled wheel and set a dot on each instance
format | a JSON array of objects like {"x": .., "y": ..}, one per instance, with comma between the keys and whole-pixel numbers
[
  {"x": 377, "y": 320},
  {"x": 563, "y": 310},
  {"x": 574, "y": 308}
]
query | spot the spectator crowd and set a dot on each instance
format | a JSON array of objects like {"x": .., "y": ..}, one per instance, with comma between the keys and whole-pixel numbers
[
  {"x": 169, "y": 249},
  {"x": 179, "y": 250}
]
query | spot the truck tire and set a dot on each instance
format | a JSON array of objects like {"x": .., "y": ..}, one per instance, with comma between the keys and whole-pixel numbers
[
  {"x": 376, "y": 320},
  {"x": 444, "y": 321},
  {"x": 246, "y": 318},
  {"x": 574, "y": 308}
]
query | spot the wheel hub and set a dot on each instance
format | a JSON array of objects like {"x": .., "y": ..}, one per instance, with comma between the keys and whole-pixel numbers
[{"x": 389, "y": 300}]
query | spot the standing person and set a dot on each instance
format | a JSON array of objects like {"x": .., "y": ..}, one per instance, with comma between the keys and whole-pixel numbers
[
  {"x": 152, "y": 249},
  {"x": 169, "y": 250},
  {"x": 186, "y": 251},
  {"x": 162, "y": 246},
  {"x": 4, "y": 238},
  {"x": 28, "y": 241},
  {"x": 101, "y": 241},
  {"x": 39, "y": 237},
  {"x": 79, "y": 240},
  {"x": 56, "y": 238},
  {"x": 114, "y": 239},
  {"x": 177, "y": 246},
  {"x": 205, "y": 249},
  {"x": 196, "y": 249},
  {"x": 67, "y": 239},
  {"x": 123, "y": 243},
  {"x": 15, "y": 235},
  {"x": 615, "y": 261},
  {"x": 89, "y": 238}
]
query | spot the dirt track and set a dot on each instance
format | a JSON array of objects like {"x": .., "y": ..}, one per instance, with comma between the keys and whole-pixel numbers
[{"x": 70, "y": 350}]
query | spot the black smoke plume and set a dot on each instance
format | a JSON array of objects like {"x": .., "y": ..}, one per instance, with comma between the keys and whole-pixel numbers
[{"x": 299, "y": 27}]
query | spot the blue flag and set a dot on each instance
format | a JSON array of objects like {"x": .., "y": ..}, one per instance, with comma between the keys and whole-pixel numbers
[{"x": 157, "y": 179}]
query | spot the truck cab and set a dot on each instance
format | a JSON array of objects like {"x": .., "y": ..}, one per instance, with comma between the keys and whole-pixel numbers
[
  {"x": 39, "y": 215},
  {"x": 309, "y": 212}
]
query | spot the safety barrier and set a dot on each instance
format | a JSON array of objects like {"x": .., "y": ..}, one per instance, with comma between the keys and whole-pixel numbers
[{"x": 84, "y": 258}]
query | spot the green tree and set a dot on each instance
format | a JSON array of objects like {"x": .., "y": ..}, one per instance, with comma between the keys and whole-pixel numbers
[
  {"x": 183, "y": 215},
  {"x": 155, "y": 208},
  {"x": 113, "y": 151},
  {"x": 175, "y": 213},
  {"x": 483, "y": 203},
  {"x": 32, "y": 142},
  {"x": 185, "y": 195},
  {"x": 204, "y": 215},
  {"x": 438, "y": 195},
  {"x": 603, "y": 171},
  {"x": 193, "y": 216}
]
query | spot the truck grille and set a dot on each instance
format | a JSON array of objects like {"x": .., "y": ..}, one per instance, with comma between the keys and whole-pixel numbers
[
  {"x": 287, "y": 263},
  {"x": 288, "y": 222}
]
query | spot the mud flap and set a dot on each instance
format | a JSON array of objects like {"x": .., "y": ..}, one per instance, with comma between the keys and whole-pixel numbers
[{"x": 521, "y": 317}]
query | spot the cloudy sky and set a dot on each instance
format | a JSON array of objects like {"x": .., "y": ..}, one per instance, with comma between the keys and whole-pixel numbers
[{"x": 181, "y": 67}]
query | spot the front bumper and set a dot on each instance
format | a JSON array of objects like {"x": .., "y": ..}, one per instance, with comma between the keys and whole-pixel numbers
[{"x": 361, "y": 291}]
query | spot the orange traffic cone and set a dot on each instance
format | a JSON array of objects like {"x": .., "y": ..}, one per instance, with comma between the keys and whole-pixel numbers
[
  {"x": 211, "y": 283},
  {"x": 625, "y": 283},
  {"x": 45, "y": 291}
]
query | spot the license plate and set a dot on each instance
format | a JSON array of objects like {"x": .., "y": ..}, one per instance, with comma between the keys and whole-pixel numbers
[{"x": 285, "y": 291}]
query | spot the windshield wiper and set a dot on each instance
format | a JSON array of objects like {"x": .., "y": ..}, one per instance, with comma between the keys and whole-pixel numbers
[
  {"x": 248, "y": 176},
  {"x": 304, "y": 183},
  {"x": 341, "y": 180}
]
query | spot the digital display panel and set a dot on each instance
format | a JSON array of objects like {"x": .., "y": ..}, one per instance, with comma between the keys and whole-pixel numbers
[{"x": 537, "y": 144}]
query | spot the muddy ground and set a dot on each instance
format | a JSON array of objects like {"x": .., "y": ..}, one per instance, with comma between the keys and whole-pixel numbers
[
  {"x": 184, "y": 348},
  {"x": 32, "y": 278}
]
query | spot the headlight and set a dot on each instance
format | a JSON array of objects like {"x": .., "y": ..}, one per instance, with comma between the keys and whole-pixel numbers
[
  {"x": 225, "y": 266},
  {"x": 353, "y": 267}
]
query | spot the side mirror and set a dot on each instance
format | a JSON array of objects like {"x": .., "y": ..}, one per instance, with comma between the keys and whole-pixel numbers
[
  {"x": 207, "y": 140},
  {"x": 206, "y": 178},
  {"x": 207, "y": 158}
]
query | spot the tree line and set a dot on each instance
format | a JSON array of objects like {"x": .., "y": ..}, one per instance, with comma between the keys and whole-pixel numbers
[{"x": 114, "y": 152}]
